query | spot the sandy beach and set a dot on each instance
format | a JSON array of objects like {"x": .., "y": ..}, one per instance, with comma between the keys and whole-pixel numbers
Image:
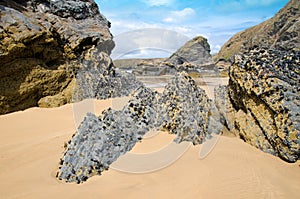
[{"x": 32, "y": 142}]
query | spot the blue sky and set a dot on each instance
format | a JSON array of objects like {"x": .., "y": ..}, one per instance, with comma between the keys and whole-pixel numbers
[{"x": 217, "y": 20}]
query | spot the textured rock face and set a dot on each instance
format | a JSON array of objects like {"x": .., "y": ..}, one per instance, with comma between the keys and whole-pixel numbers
[
  {"x": 281, "y": 32},
  {"x": 44, "y": 45},
  {"x": 97, "y": 78},
  {"x": 262, "y": 101},
  {"x": 192, "y": 56},
  {"x": 194, "y": 53},
  {"x": 99, "y": 141},
  {"x": 183, "y": 109}
]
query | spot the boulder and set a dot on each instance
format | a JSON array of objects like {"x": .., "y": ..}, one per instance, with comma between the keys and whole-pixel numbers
[
  {"x": 45, "y": 45},
  {"x": 192, "y": 55},
  {"x": 262, "y": 101}
]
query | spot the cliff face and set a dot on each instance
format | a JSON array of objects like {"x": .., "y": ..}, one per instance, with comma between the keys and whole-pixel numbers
[
  {"x": 281, "y": 32},
  {"x": 43, "y": 45}
]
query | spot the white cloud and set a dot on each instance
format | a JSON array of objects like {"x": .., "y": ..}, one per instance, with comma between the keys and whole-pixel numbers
[
  {"x": 215, "y": 48},
  {"x": 158, "y": 2},
  {"x": 184, "y": 13},
  {"x": 168, "y": 19},
  {"x": 180, "y": 15},
  {"x": 148, "y": 42}
]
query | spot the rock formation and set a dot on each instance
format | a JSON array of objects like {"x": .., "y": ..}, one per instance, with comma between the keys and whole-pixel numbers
[
  {"x": 281, "y": 32},
  {"x": 262, "y": 102},
  {"x": 43, "y": 45},
  {"x": 183, "y": 109},
  {"x": 192, "y": 56},
  {"x": 134, "y": 63},
  {"x": 99, "y": 141}
]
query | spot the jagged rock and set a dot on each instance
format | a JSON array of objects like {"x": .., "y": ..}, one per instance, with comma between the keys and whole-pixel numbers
[
  {"x": 281, "y": 31},
  {"x": 45, "y": 45},
  {"x": 99, "y": 141},
  {"x": 183, "y": 109},
  {"x": 97, "y": 78},
  {"x": 264, "y": 91},
  {"x": 195, "y": 54},
  {"x": 225, "y": 108},
  {"x": 192, "y": 56}
]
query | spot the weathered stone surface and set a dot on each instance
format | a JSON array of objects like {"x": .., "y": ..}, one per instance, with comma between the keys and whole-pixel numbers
[
  {"x": 264, "y": 91},
  {"x": 281, "y": 31},
  {"x": 97, "y": 78},
  {"x": 194, "y": 54},
  {"x": 183, "y": 109},
  {"x": 99, "y": 141},
  {"x": 45, "y": 45}
]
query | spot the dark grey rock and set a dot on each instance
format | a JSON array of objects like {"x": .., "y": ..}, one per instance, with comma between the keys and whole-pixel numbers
[
  {"x": 99, "y": 141},
  {"x": 183, "y": 109},
  {"x": 195, "y": 54}
]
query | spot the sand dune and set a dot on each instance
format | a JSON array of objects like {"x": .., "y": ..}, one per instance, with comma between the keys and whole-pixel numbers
[{"x": 32, "y": 141}]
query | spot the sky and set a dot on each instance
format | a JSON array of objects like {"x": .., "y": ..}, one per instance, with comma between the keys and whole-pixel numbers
[{"x": 216, "y": 20}]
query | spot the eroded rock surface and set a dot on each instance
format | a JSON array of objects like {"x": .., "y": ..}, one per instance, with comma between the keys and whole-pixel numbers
[
  {"x": 262, "y": 101},
  {"x": 43, "y": 46},
  {"x": 193, "y": 54},
  {"x": 99, "y": 141},
  {"x": 279, "y": 32},
  {"x": 183, "y": 109}
]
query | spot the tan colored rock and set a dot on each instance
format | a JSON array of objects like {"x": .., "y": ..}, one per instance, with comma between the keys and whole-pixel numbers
[
  {"x": 262, "y": 101},
  {"x": 42, "y": 45},
  {"x": 281, "y": 31}
]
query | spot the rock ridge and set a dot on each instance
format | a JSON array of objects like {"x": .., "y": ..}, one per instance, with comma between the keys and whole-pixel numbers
[{"x": 183, "y": 109}]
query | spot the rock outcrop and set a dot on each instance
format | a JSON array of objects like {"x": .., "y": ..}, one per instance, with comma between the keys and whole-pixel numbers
[
  {"x": 43, "y": 45},
  {"x": 193, "y": 54},
  {"x": 135, "y": 63},
  {"x": 262, "y": 101},
  {"x": 280, "y": 32},
  {"x": 182, "y": 109},
  {"x": 99, "y": 141}
]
